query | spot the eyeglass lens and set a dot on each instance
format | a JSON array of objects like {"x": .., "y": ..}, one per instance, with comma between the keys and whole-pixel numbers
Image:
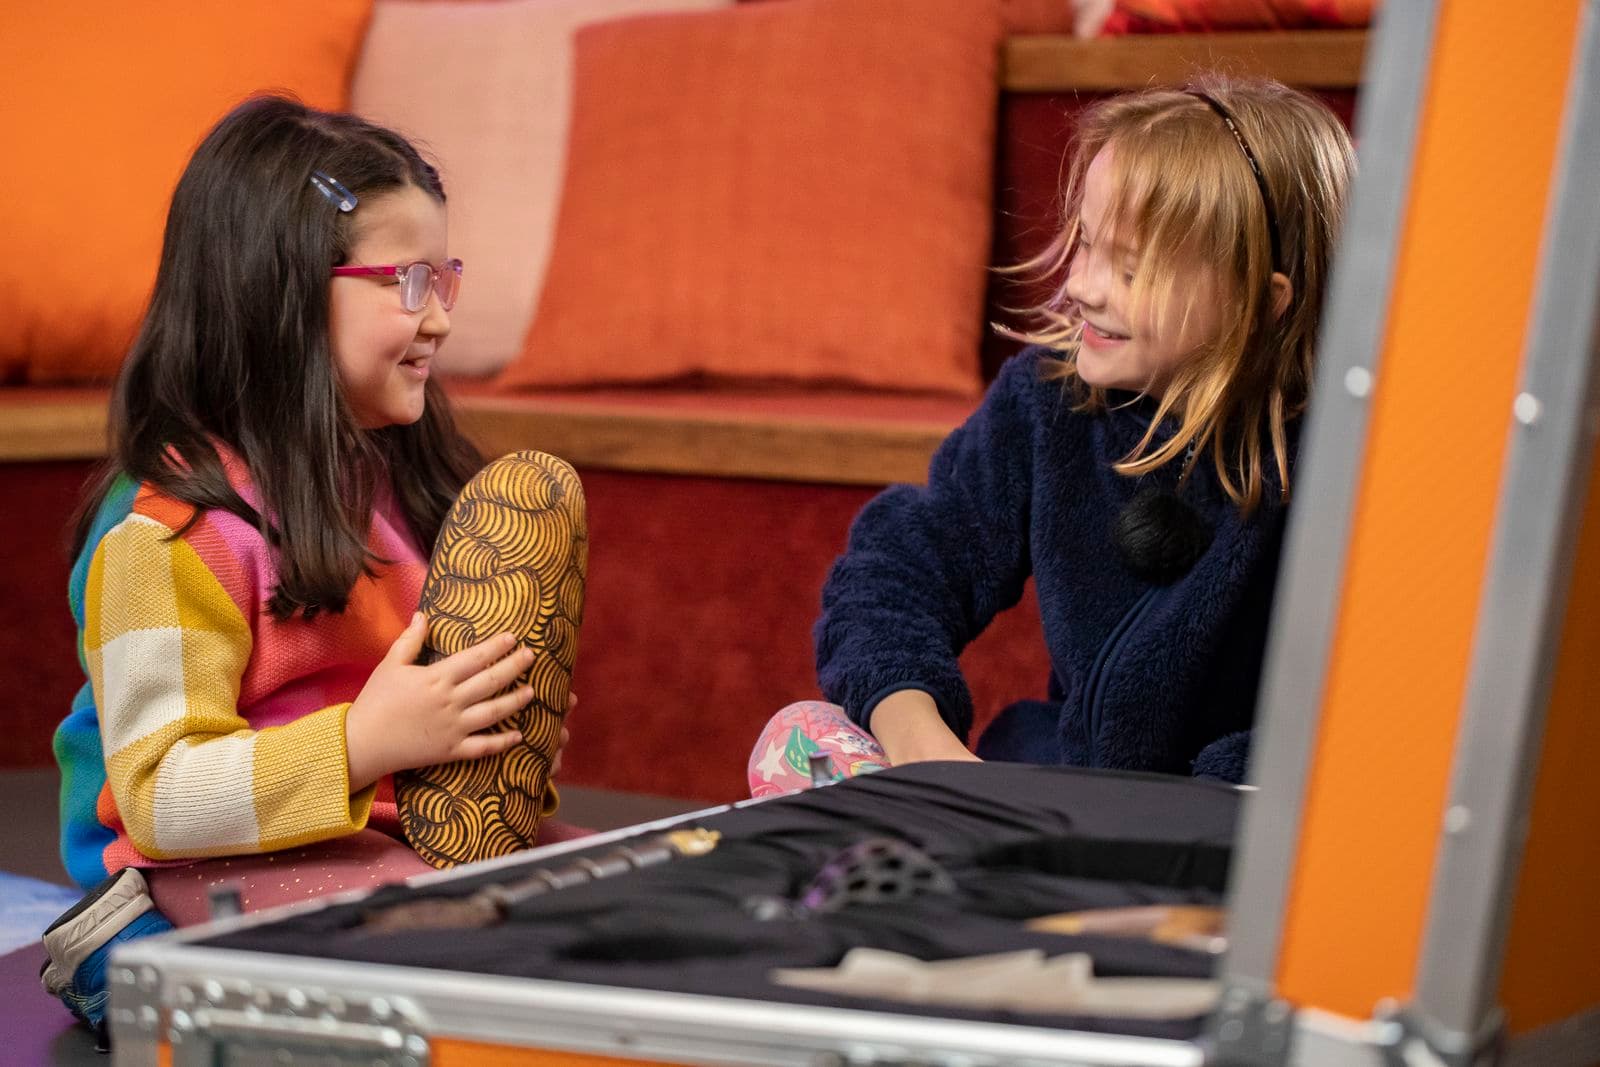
[{"x": 420, "y": 277}]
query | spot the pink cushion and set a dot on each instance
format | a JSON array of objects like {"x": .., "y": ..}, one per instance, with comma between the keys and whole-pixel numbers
[{"x": 484, "y": 86}]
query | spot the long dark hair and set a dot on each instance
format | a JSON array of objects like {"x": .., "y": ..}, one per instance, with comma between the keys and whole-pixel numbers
[{"x": 234, "y": 352}]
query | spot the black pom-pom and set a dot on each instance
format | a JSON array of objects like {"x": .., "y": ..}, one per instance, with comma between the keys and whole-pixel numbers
[{"x": 1159, "y": 537}]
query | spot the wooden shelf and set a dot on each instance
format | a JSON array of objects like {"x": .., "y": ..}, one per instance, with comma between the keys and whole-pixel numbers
[
  {"x": 45, "y": 424},
  {"x": 852, "y": 449},
  {"x": 1306, "y": 59},
  {"x": 819, "y": 448}
]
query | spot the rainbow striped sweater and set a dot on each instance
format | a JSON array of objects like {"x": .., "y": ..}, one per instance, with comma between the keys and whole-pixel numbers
[{"x": 206, "y": 726}]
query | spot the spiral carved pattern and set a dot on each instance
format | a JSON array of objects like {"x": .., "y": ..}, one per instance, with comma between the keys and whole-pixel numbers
[{"x": 511, "y": 557}]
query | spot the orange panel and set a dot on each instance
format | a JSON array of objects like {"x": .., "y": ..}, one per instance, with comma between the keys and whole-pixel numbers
[
  {"x": 453, "y": 1052},
  {"x": 1552, "y": 968},
  {"x": 1426, "y": 504}
]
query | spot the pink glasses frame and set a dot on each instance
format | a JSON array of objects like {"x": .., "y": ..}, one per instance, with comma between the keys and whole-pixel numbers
[{"x": 396, "y": 270}]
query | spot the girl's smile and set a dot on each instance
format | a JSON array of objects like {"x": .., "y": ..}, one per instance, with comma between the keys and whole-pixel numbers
[
  {"x": 1095, "y": 337},
  {"x": 417, "y": 364}
]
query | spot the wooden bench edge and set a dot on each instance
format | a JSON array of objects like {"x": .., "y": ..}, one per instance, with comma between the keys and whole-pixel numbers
[
  {"x": 1306, "y": 59},
  {"x": 835, "y": 451},
  {"x": 53, "y": 430}
]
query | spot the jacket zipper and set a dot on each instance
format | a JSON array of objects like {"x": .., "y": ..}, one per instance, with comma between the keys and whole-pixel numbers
[{"x": 1095, "y": 685}]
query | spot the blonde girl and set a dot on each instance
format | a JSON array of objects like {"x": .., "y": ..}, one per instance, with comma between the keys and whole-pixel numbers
[{"x": 1136, "y": 463}]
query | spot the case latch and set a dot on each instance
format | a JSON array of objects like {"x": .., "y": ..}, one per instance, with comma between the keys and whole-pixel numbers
[
  {"x": 1248, "y": 1029},
  {"x": 1411, "y": 1039},
  {"x": 235, "y": 1021}
]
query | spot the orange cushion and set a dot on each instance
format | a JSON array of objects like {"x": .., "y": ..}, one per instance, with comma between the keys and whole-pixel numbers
[
  {"x": 790, "y": 191},
  {"x": 104, "y": 103}
]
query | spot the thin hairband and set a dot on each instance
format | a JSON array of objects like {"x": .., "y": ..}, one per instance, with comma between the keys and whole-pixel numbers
[
  {"x": 1255, "y": 168},
  {"x": 337, "y": 194}
]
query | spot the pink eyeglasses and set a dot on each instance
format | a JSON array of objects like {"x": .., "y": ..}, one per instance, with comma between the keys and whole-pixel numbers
[{"x": 416, "y": 280}]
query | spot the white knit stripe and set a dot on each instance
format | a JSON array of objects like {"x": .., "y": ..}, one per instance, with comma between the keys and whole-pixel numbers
[
  {"x": 205, "y": 797},
  {"x": 142, "y": 685}
]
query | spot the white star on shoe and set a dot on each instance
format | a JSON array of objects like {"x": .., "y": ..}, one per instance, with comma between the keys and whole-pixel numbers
[{"x": 771, "y": 762}]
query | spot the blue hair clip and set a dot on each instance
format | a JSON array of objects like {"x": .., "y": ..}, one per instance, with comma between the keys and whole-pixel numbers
[{"x": 337, "y": 194}]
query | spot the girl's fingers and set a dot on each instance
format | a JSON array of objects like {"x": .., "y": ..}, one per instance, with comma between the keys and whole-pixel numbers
[
  {"x": 572, "y": 702},
  {"x": 479, "y": 746},
  {"x": 470, "y": 661},
  {"x": 486, "y": 713},
  {"x": 561, "y": 746},
  {"x": 493, "y": 678},
  {"x": 408, "y": 646}
]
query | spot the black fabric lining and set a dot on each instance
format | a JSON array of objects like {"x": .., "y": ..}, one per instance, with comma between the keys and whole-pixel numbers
[{"x": 1019, "y": 841}]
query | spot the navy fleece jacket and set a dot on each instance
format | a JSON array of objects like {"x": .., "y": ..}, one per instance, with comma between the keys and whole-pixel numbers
[{"x": 1144, "y": 677}]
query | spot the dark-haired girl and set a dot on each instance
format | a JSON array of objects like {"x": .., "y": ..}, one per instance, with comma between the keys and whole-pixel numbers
[{"x": 248, "y": 569}]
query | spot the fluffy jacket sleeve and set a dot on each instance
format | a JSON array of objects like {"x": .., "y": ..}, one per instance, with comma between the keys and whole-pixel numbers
[
  {"x": 1227, "y": 758},
  {"x": 166, "y": 647},
  {"x": 927, "y": 567}
]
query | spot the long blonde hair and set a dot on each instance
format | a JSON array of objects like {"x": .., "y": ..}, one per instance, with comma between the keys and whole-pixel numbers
[{"x": 1186, "y": 191}]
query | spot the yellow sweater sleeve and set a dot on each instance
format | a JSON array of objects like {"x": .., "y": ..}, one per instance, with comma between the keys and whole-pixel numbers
[{"x": 166, "y": 649}]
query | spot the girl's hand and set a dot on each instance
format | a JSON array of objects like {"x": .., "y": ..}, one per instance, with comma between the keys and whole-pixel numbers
[
  {"x": 908, "y": 726},
  {"x": 561, "y": 745},
  {"x": 409, "y": 716}
]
